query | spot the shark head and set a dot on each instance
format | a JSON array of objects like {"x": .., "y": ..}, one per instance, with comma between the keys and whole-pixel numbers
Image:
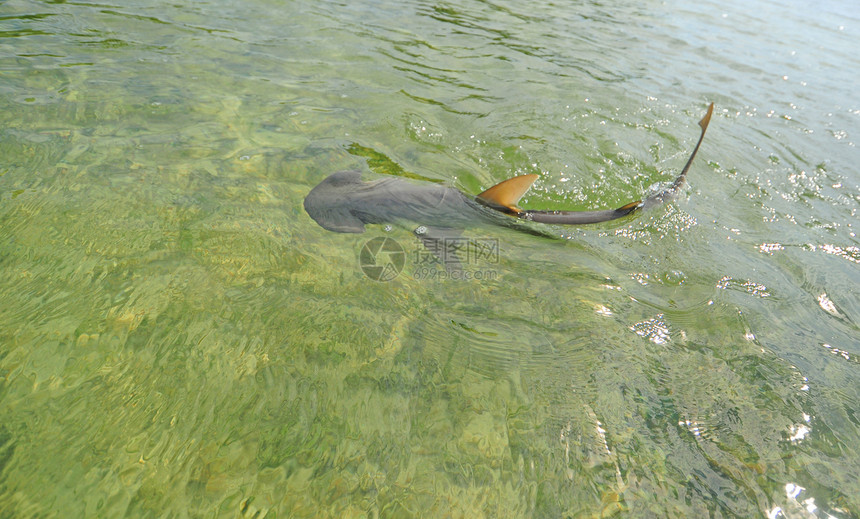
[{"x": 329, "y": 205}]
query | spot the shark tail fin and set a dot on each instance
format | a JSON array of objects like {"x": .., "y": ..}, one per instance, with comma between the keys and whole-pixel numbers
[
  {"x": 504, "y": 195},
  {"x": 707, "y": 118}
]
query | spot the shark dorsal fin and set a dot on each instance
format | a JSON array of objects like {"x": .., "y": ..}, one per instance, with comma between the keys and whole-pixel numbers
[{"x": 504, "y": 195}]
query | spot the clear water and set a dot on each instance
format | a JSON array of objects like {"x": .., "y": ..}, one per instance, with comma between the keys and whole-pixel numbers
[{"x": 179, "y": 339}]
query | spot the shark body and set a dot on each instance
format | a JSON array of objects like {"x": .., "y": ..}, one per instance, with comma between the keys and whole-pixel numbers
[{"x": 344, "y": 203}]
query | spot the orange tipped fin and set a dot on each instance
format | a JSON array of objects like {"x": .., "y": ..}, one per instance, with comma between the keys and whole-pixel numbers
[
  {"x": 507, "y": 193},
  {"x": 630, "y": 207},
  {"x": 707, "y": 118}
]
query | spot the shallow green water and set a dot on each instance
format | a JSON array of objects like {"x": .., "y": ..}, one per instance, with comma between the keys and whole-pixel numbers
[{"x": 178, "y": 338}]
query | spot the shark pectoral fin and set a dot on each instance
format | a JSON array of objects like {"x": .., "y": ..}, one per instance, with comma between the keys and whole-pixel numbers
[
  {"x": 443, "y": 244},
  {"x": 504, "y": 195}
]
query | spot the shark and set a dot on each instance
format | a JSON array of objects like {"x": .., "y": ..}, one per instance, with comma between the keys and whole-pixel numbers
[{"x": 344, "y": 203}]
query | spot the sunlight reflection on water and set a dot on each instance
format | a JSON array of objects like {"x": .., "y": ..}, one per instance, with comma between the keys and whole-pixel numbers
[{"x": 178, "y": 337}]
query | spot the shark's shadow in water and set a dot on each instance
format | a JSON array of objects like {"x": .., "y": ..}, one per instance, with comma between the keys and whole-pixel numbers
[{"x": 344, "y": 203}]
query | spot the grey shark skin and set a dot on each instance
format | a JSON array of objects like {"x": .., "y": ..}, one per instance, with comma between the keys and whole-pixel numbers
[{"x": 344, "y": 203}]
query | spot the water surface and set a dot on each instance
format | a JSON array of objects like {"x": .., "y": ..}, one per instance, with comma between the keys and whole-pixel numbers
[{"x": 178, "y": 338}]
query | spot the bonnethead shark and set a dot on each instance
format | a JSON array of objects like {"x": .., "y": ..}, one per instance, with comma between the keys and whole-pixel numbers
[{"x": 344, "y": 203}]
